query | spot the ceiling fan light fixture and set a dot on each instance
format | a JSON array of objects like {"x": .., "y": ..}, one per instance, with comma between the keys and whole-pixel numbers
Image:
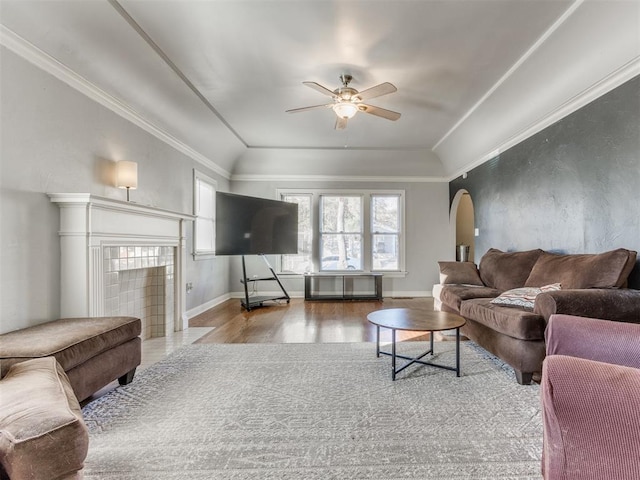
[
  {"x": 345, "y": 109},
  {"x": 347, "y": 101}
]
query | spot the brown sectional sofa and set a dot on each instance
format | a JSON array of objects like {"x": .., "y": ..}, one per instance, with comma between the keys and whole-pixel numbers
[{"x": 591, "y": 285}]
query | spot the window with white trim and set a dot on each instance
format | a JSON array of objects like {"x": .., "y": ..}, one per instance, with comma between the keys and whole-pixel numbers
[
  {"x": 353, "y": 230},
  {"x": 302, "y": 261},
  {"x": 340, "y": 232},
  {"x": 204, "y": 209},
  {"x": 385, "y": 232}
]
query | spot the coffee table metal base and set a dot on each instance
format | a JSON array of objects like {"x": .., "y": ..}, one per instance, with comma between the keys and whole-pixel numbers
[{"x": 412, "y": 360}]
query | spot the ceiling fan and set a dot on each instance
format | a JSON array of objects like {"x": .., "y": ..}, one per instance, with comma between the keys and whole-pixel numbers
[{"x": 347, "y": 101}]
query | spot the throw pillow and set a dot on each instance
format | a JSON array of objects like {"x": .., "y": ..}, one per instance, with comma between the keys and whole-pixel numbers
[
  {"x": 603, "y": 270},
  {"x": 523, "y": 297},
  {"x": 459, "y": 273},
  {"x": 507, "y": 270}
]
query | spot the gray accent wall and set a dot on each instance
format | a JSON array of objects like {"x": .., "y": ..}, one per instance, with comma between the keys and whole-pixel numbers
[
  {"x": 55, "y": 139},
  {"x": 572, "y": 188}
]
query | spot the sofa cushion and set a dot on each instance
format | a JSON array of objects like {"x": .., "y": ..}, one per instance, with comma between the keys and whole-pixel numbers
[
  {"x": 505, "y": 271},
  {"x": 72, "y": 341},
  {"x": 42, "y": 434},
  {"x": 454, "y": 295},
  {"x": 512, "y": 321},
  {"x": 626, "y": 271},
  {"x": 459, "y": 273},
  {"x": 523, "y": 297},
  {"x": 577, "y": 271}
]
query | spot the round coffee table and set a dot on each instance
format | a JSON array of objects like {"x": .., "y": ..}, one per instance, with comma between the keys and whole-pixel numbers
[{"x": 420, "y": 321}]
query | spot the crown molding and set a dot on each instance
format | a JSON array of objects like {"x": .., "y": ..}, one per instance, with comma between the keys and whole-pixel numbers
[
  {"x": 46, "y": 62},
  {"x": 343, "y": 148},
  {"x": 334, "y": 178},
  {"x": 598, "y": 89},
  {"x": 557, "y": 24}
]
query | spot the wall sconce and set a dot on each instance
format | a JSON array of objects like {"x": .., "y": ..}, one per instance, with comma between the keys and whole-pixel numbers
[{"x": 127, "y": 175}]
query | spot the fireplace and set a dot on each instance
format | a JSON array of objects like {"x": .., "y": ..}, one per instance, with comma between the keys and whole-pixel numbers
[{"x": 121, "y": 258}]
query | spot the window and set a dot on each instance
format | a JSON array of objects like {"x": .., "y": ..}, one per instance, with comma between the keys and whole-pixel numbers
[
  {"x": 204, "y": 208},
  {"x": 385, "y": 232},
  {"x": 341, "y": 232},
  {"x": 302, "y": 262},
  {"x": 347, "y": 230}
]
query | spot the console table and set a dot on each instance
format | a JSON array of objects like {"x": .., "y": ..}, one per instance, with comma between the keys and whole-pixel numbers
[{"x": 343, "y": 286}]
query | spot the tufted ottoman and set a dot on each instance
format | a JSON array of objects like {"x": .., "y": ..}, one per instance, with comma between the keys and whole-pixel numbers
[{"x": 42, "y": 434}]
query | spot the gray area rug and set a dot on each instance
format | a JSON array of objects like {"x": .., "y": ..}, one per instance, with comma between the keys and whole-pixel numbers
[{"x": 316, "y": 411}]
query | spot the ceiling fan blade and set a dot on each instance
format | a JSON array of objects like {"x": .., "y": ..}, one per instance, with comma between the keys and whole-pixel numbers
[
  {"x": 377, "y": 91},
  {"x": 379, "y": 112},
  {"x": 341, "y": 123},
  {"x": 320, "y": 88},
  {"x": 304, "y": 109}
]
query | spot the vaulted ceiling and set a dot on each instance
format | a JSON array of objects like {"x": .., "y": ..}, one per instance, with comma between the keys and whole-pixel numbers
[{"x": 216, "y": 76}]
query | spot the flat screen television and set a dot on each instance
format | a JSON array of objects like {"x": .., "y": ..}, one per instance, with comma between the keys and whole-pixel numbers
[{"x": 255, "y": 226}]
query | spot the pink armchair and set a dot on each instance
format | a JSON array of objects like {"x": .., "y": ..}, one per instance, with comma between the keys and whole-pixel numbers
[{"x": 590, "y": 393}]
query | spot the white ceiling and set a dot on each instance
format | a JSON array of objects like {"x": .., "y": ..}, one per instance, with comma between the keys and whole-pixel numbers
[{"x": 216, "y": 76}]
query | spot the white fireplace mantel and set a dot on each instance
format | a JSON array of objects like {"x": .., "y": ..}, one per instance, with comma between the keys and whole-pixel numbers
[{"x": 88, "y": 224}]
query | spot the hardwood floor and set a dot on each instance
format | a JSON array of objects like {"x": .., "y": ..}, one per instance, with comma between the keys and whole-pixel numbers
[{"x": 302, "y": 322}]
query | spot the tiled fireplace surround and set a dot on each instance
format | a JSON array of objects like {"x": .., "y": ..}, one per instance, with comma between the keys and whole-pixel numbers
[
  {"x": 139, "y": 282},
  {"x": 121, "y": 258}
]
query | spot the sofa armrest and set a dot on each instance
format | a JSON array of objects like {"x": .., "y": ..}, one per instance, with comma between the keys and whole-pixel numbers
[
  {"x": 607, "y": 304},
  {"x": 591, "y": 425},
  {"x": 42, "y": 433},
  {"x": 592, "y": 339}
]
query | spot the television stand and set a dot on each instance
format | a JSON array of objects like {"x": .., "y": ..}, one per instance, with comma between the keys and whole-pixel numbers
[{"x": 250, "y": 303}]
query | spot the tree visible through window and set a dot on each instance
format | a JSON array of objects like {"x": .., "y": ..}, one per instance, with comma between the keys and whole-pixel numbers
[
  {"x": 204, "y": 208},
  {"x": 301, "y": 262},
  {"x": 341, "y": 232},
  {"x": 385, "y": 231}
]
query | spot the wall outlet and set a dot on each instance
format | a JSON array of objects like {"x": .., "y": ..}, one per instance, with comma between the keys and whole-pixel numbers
[{"x": 189, "y": 287}]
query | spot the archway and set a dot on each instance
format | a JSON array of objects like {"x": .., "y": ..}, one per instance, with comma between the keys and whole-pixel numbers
[{"x": 462, "y": 221}]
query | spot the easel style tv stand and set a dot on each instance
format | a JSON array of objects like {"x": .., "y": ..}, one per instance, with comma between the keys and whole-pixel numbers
[{"x": 250, "y": 303}]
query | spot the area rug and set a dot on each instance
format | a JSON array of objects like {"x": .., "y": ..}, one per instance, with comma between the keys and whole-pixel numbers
[{"x": 316, "y": 411}]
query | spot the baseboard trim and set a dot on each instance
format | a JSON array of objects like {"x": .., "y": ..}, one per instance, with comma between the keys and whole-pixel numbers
[
  {"x": 401, "y": 294},
  {"x": 189, "y": 314},
  {"x": 417, "y": 294},
  {"x": 193, "y": 312},
  {"x": 278, "y": 293}
]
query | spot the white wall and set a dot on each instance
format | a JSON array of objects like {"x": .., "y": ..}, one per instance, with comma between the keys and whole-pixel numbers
[
  {"x": 427, "y": 236},
  {"x": 54, "y": 139}
]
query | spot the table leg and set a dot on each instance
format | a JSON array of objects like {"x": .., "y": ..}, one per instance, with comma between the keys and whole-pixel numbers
[
  {"x": 378, "y": 341},
  {"x": 431, "y": 341},
  {"x": 393, "y": 354},
  {"x": 457, "y": 352}
]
